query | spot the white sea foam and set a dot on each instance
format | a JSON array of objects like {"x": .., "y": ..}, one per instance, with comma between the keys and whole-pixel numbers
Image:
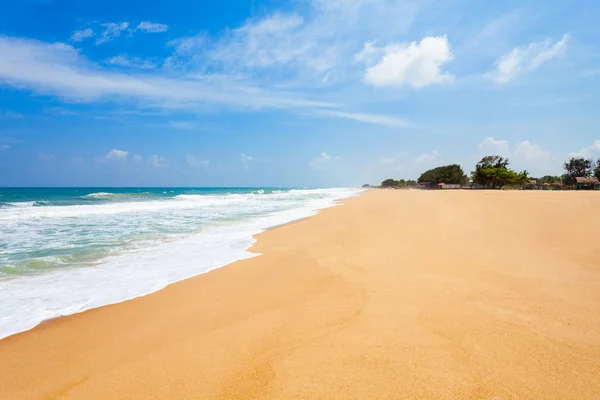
[
  {"x": 228, "y": 223},
  {"x": 22, "y": 204},
  {"x": 99, "y": 195}
]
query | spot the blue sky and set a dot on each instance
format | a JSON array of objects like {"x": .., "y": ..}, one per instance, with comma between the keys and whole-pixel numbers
[{"x": 291, "y": 93}]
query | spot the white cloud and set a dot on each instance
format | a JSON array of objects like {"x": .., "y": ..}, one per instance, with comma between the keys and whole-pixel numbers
[
  {"x": 415, "y": 64},
  {"x": 266, "y": 63},
  {"x": 376, "y": 119},
  {"x": 527, "y": 58},
  {"x": 312, "y": 45},
  {"x": 157, "y": 161},
  {"x": 150, "y": 27},
  {"x": 195, "y": 162},
  {"x": 59, "y": 69},
  {"x": 10, "y": 115},
  {"x": 132, "y": 62},
  {"x": 4, "y": 147},
  {"x": 492, "y": 146},
  {"x": 265, "y": 42},
  {"x": 81, "y": 35},
  {"x": 137, "y": 158},
  {"x": 246, "y": 160},
  {"x": 588, "y": 152},
  {"x": 525, "y": 156},
  {"x": 529, "y": 155},
  {"x": 323, "y": 161},
  {"x": 46, "y": 157},
  {"x": 427, "y": 158},
  {"x": 111, "y": 31},
  {"x": 116, "y": 155}
]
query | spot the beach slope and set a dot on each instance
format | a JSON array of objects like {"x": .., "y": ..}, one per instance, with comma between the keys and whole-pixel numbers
[{"x": 395, "y": 295}]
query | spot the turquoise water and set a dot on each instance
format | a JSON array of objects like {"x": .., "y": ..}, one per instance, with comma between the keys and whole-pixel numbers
[
  {"x": 64, "y": 250},
  {"x": 45, "y": 228}
]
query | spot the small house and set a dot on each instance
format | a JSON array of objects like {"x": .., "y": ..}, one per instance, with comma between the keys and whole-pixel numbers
[
  {"x": 587, "y": 183},
  {"x": 445, "y": 186},
  {"x": 532, "y": 184}
]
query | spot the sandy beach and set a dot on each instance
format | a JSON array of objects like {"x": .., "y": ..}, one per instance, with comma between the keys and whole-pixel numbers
[{"x": 395, "y": 295}]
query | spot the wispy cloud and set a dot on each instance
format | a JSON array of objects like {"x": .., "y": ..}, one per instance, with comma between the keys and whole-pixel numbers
[
  {"x": 4, "y": 147},
  {"x": 426, "y": 158},
  {"x": 131, "y": 62},
  {"x": 527, "y": 58},
  {"x": 323, "y": 161},
  {"x": 150, "y": 27},
  {"x": 46, "y": 157},
  {"x": 313, "y": 47},
  {"x": 496, "y": 31},
  {"x": 111, "y": 31},
  {"x": 59, "y": 69},
  {"x": 81, "y": 35},
  {"x": 195, "y": 162},
  {"x": 246, "y": 160},
  {"x": 377, "y": 119},
  {"x": 263, "y": 43},
  {"x": 184, "y": 125}
]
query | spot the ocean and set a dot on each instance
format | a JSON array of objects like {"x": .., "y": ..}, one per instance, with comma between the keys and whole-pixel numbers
[{"x": 66, "y": 250}]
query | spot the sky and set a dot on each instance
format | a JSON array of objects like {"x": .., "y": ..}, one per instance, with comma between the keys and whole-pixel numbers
[{"x": 292, "y": 93}]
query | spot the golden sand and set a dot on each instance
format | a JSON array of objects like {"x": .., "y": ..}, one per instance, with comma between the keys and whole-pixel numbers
[{"x": 396, "y": 295}]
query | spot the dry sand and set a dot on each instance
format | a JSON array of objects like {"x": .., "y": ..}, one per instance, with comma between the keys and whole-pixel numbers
[{"x": 396, "y": 295}]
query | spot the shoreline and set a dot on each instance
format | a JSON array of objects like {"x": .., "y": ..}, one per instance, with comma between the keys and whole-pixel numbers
[
  {"x": 248, "y": 250},
  {"x": 405, "y": 294}
]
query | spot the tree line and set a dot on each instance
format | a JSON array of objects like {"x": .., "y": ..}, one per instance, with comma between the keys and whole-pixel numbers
[{"x": 493, "y": 172}]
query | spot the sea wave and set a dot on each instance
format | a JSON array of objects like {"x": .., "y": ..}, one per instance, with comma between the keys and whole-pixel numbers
[
  {"x": 24, "y": 204},
  {"x": 99, "y": 195},
  {"x": 159, "y": 242},
  {"x": 116, "y": 196}
]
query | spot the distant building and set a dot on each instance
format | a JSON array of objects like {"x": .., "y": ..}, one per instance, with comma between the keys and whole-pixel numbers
[
  {"x": 444, "y": 186},
  {"x": 587, "y": 183},
  {"x": 532, "y": 184}
]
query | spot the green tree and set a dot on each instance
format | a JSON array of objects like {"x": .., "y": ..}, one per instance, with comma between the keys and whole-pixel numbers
[
  {"x": 577, "y": 167},
  {"x": 392, "y": 183},
  {"x": 550, "y": 179},
  {"x": 447, "y": 174},
  {"x": 388, "y": 183},
  {"x": 597, "y": 170},
  {"x": 493, "y": 172}
]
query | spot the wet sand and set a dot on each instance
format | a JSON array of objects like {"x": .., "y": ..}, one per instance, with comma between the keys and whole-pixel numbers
[{"x": 395, "y": 295}]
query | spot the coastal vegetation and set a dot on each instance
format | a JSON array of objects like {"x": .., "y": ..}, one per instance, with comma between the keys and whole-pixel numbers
[
  {"x": 577, "y": 167},
  {"x": 392, "y": 183},
  {"x": 453, "y": 174},
  {"x": 494, "y": 172}
]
